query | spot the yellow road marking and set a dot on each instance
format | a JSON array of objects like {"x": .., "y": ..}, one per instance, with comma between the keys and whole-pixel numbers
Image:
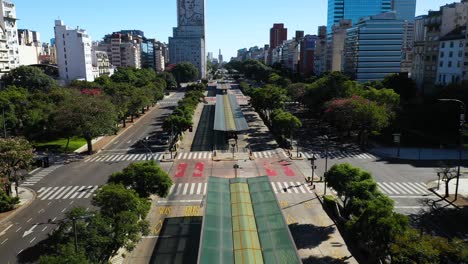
[
  {"x": 290, "y": 219},
  {"x": 158, "y": 227},
  {"x": 192, "y": 211},
  {"x": 308, "y": 205},
  {"x": 283, "y": 204},
  {"x": 165, "y": 210}
]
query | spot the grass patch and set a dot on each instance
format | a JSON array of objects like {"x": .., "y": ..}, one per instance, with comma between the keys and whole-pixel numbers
[{"x": 59, "y": 145}]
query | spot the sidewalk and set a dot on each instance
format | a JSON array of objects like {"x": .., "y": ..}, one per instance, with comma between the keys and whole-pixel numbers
[
  {"x": 418, "y": 153},
  {"x": 26, "y": 197},
  {"x": 462, "y": 199}
]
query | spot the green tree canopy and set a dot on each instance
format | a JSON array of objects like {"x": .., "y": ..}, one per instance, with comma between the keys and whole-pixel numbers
[
  {"x": 29, "y": 77},
  {"x": 86, "y": 116},
  {"x": 15, "y": 154},
  {"x": 145, "y": 178},
  {"x": 185, "y": 72}
]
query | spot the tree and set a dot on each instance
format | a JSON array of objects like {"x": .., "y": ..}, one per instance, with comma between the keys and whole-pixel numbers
[
  {"x": 15, "y": 154},
  {"x": 29, "y": 77},
  {"x": 185, "y": 72},
  {"x": 332, "y": 85},
  {"x": 296, "y": 92},
  {"x": 86, "y": 116},
  {"x": 402, "y": 85},
  {"x": 285, "y": 122},
  {"x": 377, "y": 227},
  {"x": 446, "y": 173},
  {"x": 145, "y": 178},
  {"x": 170, "y": 80},
  {"x": 65, "y": 254}
]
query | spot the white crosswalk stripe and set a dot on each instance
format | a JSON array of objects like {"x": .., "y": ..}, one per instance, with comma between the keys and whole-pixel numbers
[
  {"x": 192, "y": 189},
  {"x": 66, "y": 192},
  {"x": 36, "y": 177},
  {"x": 194, "y": 155},
  {"x": 124, "y": 157},
  {"x": 340, "y": 155},
  {"x": 269, "y": 154},
  {"x": 403, "y": 188}
]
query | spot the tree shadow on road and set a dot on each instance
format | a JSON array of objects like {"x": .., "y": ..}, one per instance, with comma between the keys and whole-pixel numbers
[
  {"x": 33, "y": 253},
  {"x": 310, "y": 236},
  {"x": 324, "y": 260}
]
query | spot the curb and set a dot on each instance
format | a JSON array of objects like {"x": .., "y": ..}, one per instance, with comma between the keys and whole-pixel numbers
[{"x": 21, "y": 207}]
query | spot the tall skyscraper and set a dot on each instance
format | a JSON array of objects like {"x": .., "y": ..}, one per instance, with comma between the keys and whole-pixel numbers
[
  {"x": 405, "y": 9},
  {"x": 278, "y": 34},
  {"x": 356, "y": 9},
  {"x": 220, "y": 58},
  {"x": 188, "y": 41}
]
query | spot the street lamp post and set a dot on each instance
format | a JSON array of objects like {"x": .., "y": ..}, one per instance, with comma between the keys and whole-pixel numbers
[
  {"x": 326, "y": 155},
  {"x": 236, "y": 166},
  {"x": 313, "y": 166},
  {"x": 460, "y": 140}
]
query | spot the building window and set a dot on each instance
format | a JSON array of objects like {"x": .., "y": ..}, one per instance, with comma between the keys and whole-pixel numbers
[
  {"x": 443, "y": 45},
  {"x": 458, "y": 64},
  {"x": 441, "y": 54},
  {"x": 449, "y": 64},
  {"x": 441, "y": 64},
  {"x": 450, "y": 54},
  {"x": 451, "y": 44}
]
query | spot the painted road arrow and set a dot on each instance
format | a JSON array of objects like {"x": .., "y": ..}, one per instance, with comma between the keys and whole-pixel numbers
[
  {"x": 6, "y": 229},
  {"x": 29, "y": 231}
]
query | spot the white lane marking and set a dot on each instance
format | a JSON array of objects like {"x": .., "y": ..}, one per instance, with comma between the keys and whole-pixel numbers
[
  {"x": 59, "y": 193},
  {"x": 29, "y": 220},
  {"x": 5, "y": 230},
  {"x": 41, "y": 211},
  {"x": 409, "y": 186},
  {"x": 185, "y": 189},
  {"x": 171, "y": 190},
  {"x": 81, "y": 189},
  {"x": 91, "y": 192},
  {"x": 41, "y": 189},
  {"x": 32, "y": 240},
  {"x": 17, "y": 230},
  {"x": 85, "y": 192},
  {"x": 44, "y": 229},
  {"x": 4, "y": 241},
  {"x": 293, "y": 186},
  {"x": 72, "y": 202},
  {"x": 19, "y": 252},
  {"x": 44, "y": 192},
  {"x": 383, "y": 188},
  {"x": 64, "y": 209},
  {"x": 390, "y": 187},
  {"x": 301, "y": 187},
  {"x": 192, "y": 188},
  {"x": 199, "y": 185},
  {"x": 70, "y": 192},
  {"x": 204, "y": 190},
  {"x": 420, "y": 186},
  {"x": 273, "y": 186},
  {"x": 403, "y": 187},
  {"x": 55, "y": 218},
  {"x": 178, "y": 189}
]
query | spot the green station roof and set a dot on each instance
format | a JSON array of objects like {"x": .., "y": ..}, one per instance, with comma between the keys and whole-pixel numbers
[
  {"x": 228, "y": 115},
  {"x": 243, "y": 223}
]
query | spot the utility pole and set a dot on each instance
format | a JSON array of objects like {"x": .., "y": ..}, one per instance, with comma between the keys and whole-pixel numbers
[{"x": 312, "y": 164}]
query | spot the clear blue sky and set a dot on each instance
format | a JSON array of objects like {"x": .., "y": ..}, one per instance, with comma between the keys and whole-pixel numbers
[{"x": 231, "y": 25}]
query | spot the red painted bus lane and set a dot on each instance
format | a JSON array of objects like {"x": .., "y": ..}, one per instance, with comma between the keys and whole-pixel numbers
[
  {"x": 269, "y": 171},
  {"x": 288, "y": 171},
  {"x": 199, "y": 167},
  {"x": 181, "y": 170}
]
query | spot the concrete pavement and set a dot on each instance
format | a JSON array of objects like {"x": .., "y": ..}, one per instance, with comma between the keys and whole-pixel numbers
[{"x": 419, "y": 153}]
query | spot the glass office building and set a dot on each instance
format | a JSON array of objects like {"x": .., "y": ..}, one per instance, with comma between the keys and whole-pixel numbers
[
  {"x": 373, "y": 48},
  {"x": 355, "y": 9},
  {"x": 405, "y": 9}
]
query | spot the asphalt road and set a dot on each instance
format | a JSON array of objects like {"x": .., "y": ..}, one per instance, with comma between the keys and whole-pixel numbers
[{"x": 64, "y": 186}]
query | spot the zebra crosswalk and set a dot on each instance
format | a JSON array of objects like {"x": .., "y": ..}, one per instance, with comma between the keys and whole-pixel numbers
[
  {"x": 340, "y": 155},
  {"x": 125, "y": 157},
  {"x": 268, "y": 154},
  {"x": 66, "y": 192},
  {"x": 403, "y": 188},
  {"x": 194, "y": 155},
  {"x": 36, "y": 177},
  {"x": 191, "y": 189},
  {"x": 169, "y": 102},
  {"x": 145, "y": 156}
]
